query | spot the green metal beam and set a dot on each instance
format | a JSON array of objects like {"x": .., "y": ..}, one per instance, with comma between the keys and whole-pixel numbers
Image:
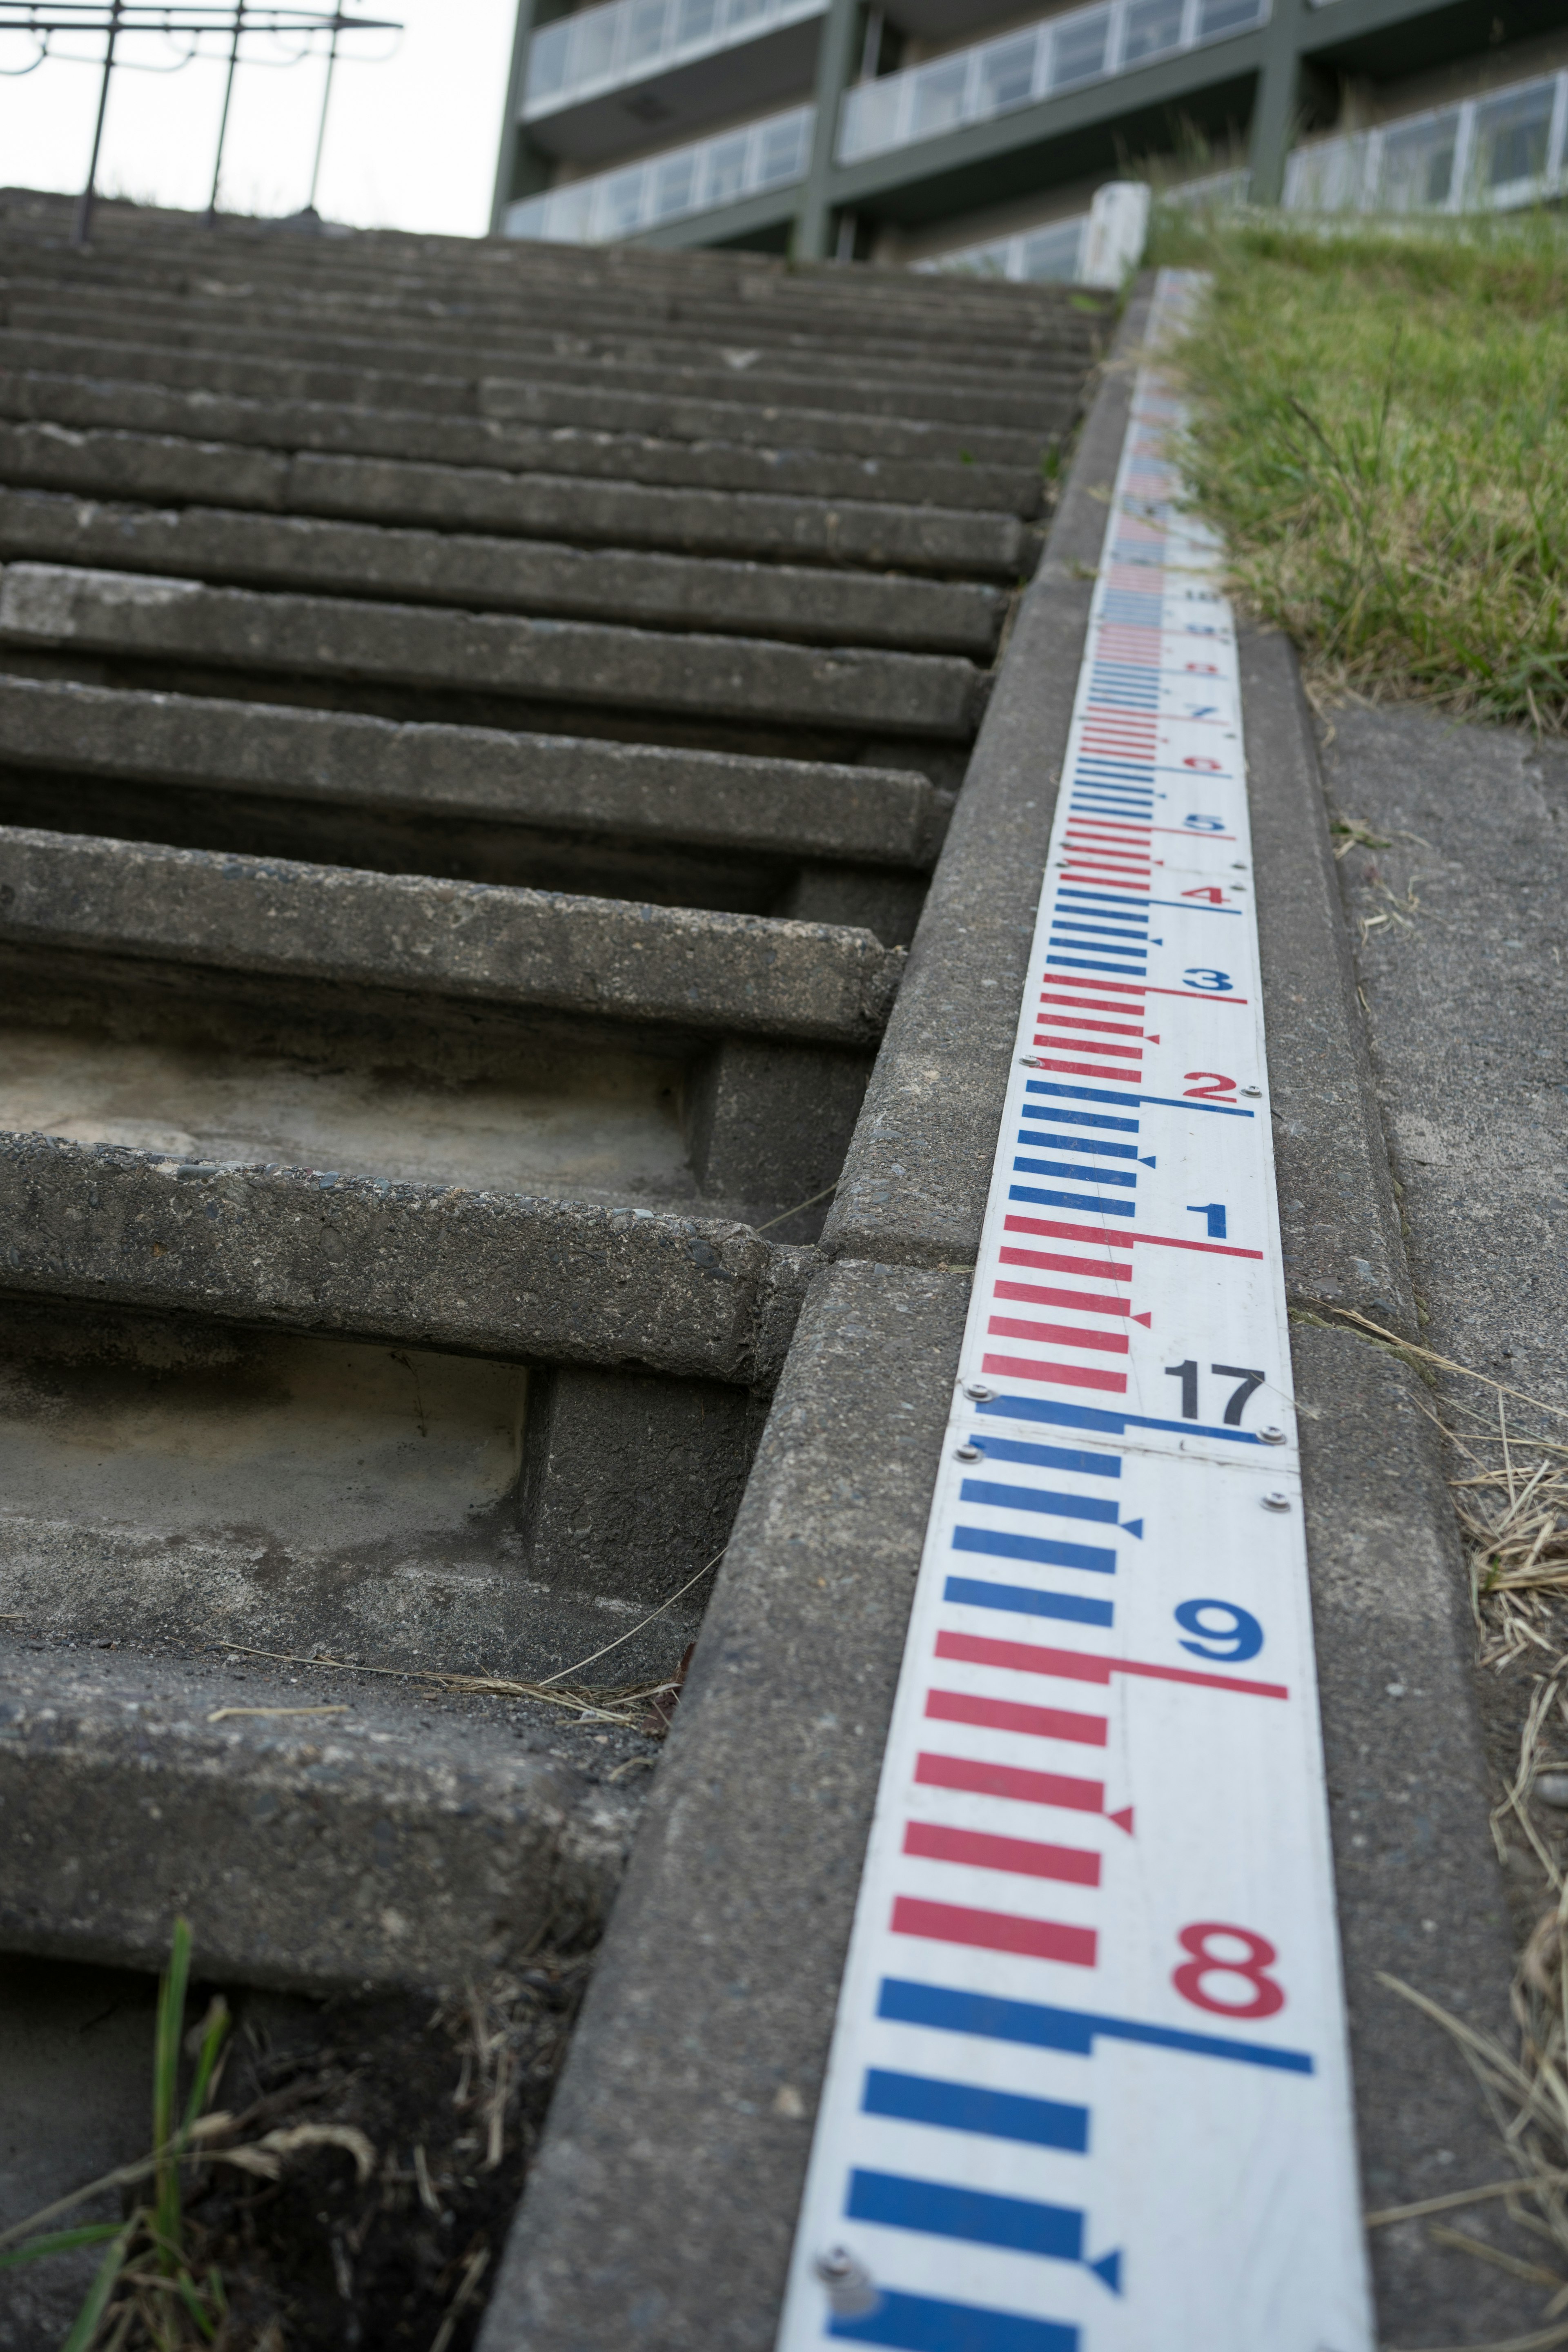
[
  {"x": 837, "y": 55},
  {"x": 1275, "y": 113}
]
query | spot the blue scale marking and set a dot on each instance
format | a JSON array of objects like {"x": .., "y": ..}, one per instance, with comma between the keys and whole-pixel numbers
[
  {"x": 1022, "y": 1167},
  {"x": 1081, "y": 1201},
  {"x": 1105, "y": 1424},
  {"x": 964, "y": 2106},
  {"x": 937, "y": 2209},
  {"x": 1048, "y": 1457},
  {"x": 1040, "y": 1551},
  {"x": 1038, "y": 1498},
  {"x": 1022, "y": 1600},
  {"x": 919, "y": 2323},
  {"x": 1071, "y": 2030},
  {"x": 1076, "y": 1117},
  {"x": 1168, "y": 1102},
  {"x": 1093, "y": 963},
  {"x": 1075, "y": 1143}
]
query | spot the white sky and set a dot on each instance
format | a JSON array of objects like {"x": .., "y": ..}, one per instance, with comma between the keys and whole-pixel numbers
[{"x": 411, "y": 140}]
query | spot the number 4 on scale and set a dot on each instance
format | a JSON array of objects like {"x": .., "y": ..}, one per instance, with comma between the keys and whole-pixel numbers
[{"x": 1187, "y": 1374}]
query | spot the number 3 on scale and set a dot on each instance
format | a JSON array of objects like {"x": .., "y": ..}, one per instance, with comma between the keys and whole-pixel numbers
[{"x": 1257, "y": 1956}]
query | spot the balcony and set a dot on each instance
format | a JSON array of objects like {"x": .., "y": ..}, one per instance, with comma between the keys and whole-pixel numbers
[
  {"x": 602, "y": 79},
  {"x": 1488, "y": 153},
  {"x": 996, "y": 78},
  {"x": 709, "y": 173},
  {"x": 1099, "y": 248}
]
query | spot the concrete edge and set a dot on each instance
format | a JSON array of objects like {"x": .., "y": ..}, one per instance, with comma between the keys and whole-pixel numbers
[
  {"x": 1419, "y": 1894},
  {"x": 914, "y": 1184}
]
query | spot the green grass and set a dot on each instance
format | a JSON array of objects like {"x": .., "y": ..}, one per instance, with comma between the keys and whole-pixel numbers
[{"x": 1381, "y": 430}]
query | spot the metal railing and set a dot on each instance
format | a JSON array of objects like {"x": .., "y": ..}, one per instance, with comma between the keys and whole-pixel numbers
[
  {"x": 186, "y": 22},
  {"x": 997, "y": 76},
  {"x": 1098, "y": 247},
  {"x": 1502, "y": 151},
  {"x": 602, "y": 49},
  {"x": 699, "y": 178}
]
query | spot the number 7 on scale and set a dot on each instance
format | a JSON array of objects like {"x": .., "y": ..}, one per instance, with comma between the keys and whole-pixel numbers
[{"x": 1187, "y": 1374}]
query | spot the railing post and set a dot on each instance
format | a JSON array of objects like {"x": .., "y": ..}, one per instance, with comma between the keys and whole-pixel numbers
[
  {"x": 83, "y": 225},
  {"x": 836, "y": 56},
  {"x": 222, "y": 117},
  {"x": 322, "y": 126}
]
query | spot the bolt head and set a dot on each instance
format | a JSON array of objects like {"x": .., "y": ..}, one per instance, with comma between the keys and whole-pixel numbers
[
  {"x": 1252, "y": 1090},
  {"x": 967, "y": 1454},
  {"x": 1276, "y": 1499},
  {"x": 1272, "y": 1434},
  {"x": 978, "y": 1391}
]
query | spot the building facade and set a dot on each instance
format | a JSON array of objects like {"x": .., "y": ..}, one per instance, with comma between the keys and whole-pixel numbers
[{"x": 941, "y": 131}]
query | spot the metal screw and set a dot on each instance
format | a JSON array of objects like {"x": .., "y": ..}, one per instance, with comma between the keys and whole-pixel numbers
[
  {"x": 1276, "y": 1499},
  {"x": 979, "y": 1391},
  {"x": 1030, "y": 1061},
  {"x": 850, "y": 2293},
  {"x": 1252, "y": 1090},
  {"x": 1272, "y": 1434},
  {"x": 966, "y": 1453}
]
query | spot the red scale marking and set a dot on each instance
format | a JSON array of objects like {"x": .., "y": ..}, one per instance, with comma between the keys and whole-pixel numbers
[
  {"x": 1064, "y": 1376},
  {"x": 996, "y": 1931},
  {"x": 1067, "y": 1864},
  {"x": 1006, "y": 1714},
  {"x": 1059, "y": 1335}
]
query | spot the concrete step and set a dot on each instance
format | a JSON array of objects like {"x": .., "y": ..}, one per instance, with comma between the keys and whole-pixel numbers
[
  {"x": 583, "y": 407},
  {"x": 464, "y": 788},
  {"x": 68, "y": 401},
  {"x": 494, "y": 576},
  {"x": 883, "y": 537},
  {"x": 393, "y": 267},
  {"x": 493, "y": 786},
  {"x": 593, "y": 328},
  {"x": 952, "y": 396},
  {"x": 136, "y": 615},
  {"x": 678, "y": 968}
]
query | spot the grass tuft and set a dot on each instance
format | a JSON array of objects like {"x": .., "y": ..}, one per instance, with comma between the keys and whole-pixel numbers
[{"x": 1381, "y": 431}]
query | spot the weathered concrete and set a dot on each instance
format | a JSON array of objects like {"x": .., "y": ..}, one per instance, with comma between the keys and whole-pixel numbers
[
  {"x": 499, "y": 575},
  {"x": 666, "y": 413},
  {"x": 76, "y": 2058},
  {"x": 1420, "y": 1895},
  {"x": 478, "y": 1273},
  {"x": 1458, "y": 912},
  {"x": 123, "y": 464},
  {"x": 950, "y": 395},
  {"x": 1338, "y": 1217},
  {"x": 136, "y": 613},
  {"x": 86, "y": 402},
  {"x": 662, "y": 2208},
  {"x": 697, "y": 971},
  {"x": 783, "y": 808},
  {"x": 386, "y": 1844}
]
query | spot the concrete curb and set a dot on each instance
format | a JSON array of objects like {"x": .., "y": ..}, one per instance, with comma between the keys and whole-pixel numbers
[{"x": 1420, "y": 1894}]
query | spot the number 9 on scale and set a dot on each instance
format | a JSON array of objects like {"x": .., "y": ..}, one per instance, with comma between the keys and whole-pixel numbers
[{"x": 1224, "y": 1631}]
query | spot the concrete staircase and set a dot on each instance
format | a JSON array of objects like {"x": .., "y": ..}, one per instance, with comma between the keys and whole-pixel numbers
[{"x": 476, "y": 725}]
